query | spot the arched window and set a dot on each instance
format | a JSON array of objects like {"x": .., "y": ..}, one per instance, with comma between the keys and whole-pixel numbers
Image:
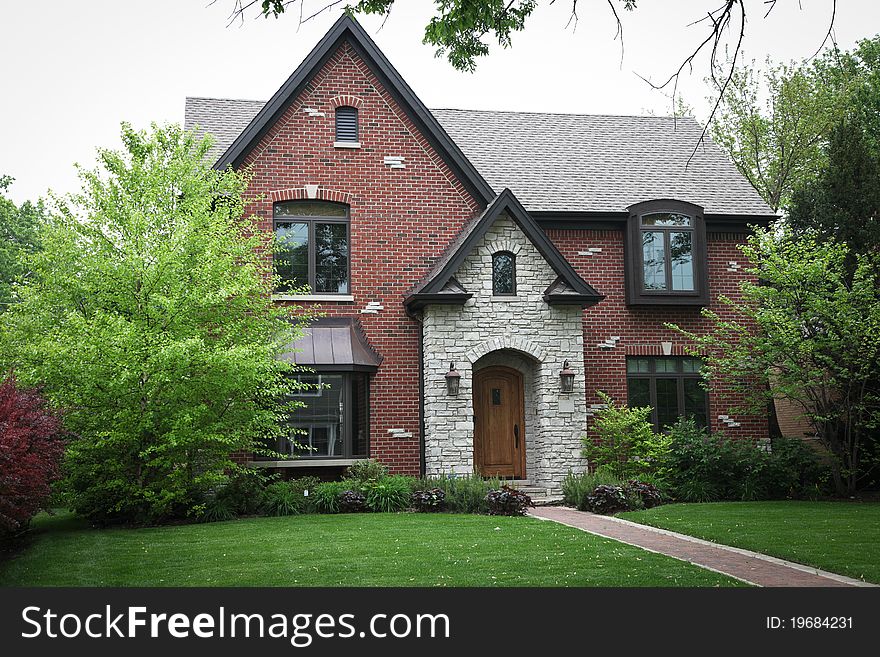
[
  {"x": 312, "y": 246},
  {"x": 347, "y": 124},
  {"x": 667, "y": 254},
  {"x": 503, "y": 274}
]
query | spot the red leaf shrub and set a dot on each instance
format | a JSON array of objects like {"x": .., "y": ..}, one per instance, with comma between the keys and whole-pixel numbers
[{"x": 31, "y": 447}]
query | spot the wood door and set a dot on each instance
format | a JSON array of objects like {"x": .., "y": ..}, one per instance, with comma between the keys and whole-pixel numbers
[{"x": 499, "y": 430}]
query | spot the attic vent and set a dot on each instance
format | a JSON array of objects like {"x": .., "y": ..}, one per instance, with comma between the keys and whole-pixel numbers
[{"x": 346, "y": 124}]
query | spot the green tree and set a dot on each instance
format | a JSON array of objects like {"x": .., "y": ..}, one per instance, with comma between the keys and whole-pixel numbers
[
  {"x": 148, "y": 318},
  {"x": 842, "y": 202},
  {"x": 772, "y": 124},
  {"x": 18, "y": 238},
  {"x": 812, "y": 326},
  {"x": 776, "y": 123}
]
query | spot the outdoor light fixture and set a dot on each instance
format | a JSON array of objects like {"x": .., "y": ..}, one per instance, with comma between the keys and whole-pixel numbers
[
  {"x": 452, "y": 380},
  {"x": 566, "y": 378}
]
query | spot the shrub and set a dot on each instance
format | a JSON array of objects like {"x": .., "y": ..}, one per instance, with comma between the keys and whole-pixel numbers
[
  {"x": 241, "y": 494},
  {"x": 429, "y": 499},
  {"x": 507, "y": 501},
  {"x": 576, "y": 488},
  {"x": 642, "y": 494},
  {"x": 245, "y": 490},
  {"x": 625, "y": 442},
  {"x": 288, "y": 498},
  {"x": 389, "y": 494},
  {"x": 31, "y": 447},
  {"x": 352, "y": 501},
  {"x": 607, "y": 499},
  {"x": 217, "y": 508},
  {"x": 327, "y": 493},
  {"x": 366, "y": 470},
  {"x": 707, "y": 468},
  {"x": 797, "y": 470},
  {"x": 464, "y": 493}
]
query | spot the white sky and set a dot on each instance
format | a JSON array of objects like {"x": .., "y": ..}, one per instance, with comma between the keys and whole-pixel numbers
[{"x": 73, "y": 70}]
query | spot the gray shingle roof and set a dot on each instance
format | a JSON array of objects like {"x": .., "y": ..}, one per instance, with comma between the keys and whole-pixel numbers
[
  {"x": 562, "y": 162},
  {"x": 576, "y": 162},
  {"x": 224, "y": 118}
]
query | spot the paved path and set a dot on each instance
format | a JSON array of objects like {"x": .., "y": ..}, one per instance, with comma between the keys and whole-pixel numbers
[{"x": 745, "y": 565}]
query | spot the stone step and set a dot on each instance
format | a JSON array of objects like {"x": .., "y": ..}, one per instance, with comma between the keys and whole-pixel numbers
[
  {"x": 517, "y": 483},
  {"x": 546, "y": 500}
]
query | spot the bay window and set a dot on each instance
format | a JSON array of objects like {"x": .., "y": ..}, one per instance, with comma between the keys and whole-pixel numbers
[
  {"x": 666, "y": 254},
  {"x": 333, "y": 421}
]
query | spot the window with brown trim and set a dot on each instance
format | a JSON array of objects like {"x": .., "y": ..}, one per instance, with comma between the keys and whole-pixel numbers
[
  {"x": 666, "y": 254},
  {"x": 312, "y": 246},
  {"x": 671, "y": 386},
  {"x": 334, "y": 419},
  {"x": 503, "y": 274}
]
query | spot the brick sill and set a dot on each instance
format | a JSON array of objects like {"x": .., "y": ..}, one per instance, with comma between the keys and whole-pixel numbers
[
  {"x": 339, "y": 298},
  {"x": 303, "y": 463}
]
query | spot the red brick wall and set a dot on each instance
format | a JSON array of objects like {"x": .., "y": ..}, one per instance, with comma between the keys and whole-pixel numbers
[
  {"x": 641, "y": 329},
  {"x": 401, "y": 220}
]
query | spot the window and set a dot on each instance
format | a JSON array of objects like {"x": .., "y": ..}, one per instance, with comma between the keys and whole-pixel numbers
[
  {"x": 504, "y": 274},
  {"x": 666, "y": 254},
  {"x": 347, "y": 124},
  {"x": 312, "y": 246},
  {"x": 334, "y": 421},
  {"x": 670, "y": 386}
]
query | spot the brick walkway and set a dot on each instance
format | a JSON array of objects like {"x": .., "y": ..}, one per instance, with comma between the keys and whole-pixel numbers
[{"x": 747, "y": 566}]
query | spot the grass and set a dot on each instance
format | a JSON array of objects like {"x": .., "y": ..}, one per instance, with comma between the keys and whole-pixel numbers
[
  {"x": 340, "y": 550},
  {"x": 841, "y": 537}
]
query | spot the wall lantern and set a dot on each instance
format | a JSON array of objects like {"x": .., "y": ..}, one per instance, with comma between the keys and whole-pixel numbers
[
  {"x": 566, "y": 378},
  {"x": 452, "y": 380}
]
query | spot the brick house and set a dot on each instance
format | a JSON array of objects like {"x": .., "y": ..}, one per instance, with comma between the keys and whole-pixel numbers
[{"x": 535, "y": 256}]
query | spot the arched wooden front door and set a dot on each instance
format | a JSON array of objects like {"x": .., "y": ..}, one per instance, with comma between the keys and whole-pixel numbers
[{"x": 499, "y": 429}]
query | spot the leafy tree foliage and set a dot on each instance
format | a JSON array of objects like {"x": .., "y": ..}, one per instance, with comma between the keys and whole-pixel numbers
[
  {"x": 776, "y": 124},
  {"x": 18, "y": 238},
  {"x": 812, "y": 326},
  {"x": 148, "y": 318},
  {"x": 772, "y": 124},
  {"x": 31, "y": 447},
  {"x": 842, "y": 203}
]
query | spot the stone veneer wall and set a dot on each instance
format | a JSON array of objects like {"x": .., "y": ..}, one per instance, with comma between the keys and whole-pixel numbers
[{"x": 490, "y": 328}]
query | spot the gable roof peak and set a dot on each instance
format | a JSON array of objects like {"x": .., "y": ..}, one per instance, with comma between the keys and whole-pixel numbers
[
  {"x": 431, "y": 289},
  {"x": 347, "y": 29}
]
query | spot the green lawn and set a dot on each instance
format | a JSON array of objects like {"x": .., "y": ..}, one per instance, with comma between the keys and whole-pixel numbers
[
  {"x": 841, "y": 537},
  {"x": 341, "y": 550}
]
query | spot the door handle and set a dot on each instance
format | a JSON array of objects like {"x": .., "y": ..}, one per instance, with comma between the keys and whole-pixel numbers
[{"x": 516, "y": 436}]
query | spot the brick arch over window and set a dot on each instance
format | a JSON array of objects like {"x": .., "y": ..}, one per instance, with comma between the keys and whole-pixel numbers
[
  {"x": 346, "y": 100},
  {"x": 311, "y": 193},
  {"x": 511, "y": 342}
]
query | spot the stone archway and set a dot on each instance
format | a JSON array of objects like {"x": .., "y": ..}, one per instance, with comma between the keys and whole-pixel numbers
[{"x": 507, "y": 342}]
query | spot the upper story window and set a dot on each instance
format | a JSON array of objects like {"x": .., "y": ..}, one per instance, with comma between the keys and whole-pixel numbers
[
  {"x": 347, "y": 125},
  {"x": 503, "y": 274},
  {"x": 312, "y": 246},
  {"x": 666, "y": 254}
]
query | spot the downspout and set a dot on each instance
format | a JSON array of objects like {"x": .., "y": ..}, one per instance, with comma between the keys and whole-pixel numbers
[
  {"x": 422, "y": 465},
  {"x": 421, "y": 352}
]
